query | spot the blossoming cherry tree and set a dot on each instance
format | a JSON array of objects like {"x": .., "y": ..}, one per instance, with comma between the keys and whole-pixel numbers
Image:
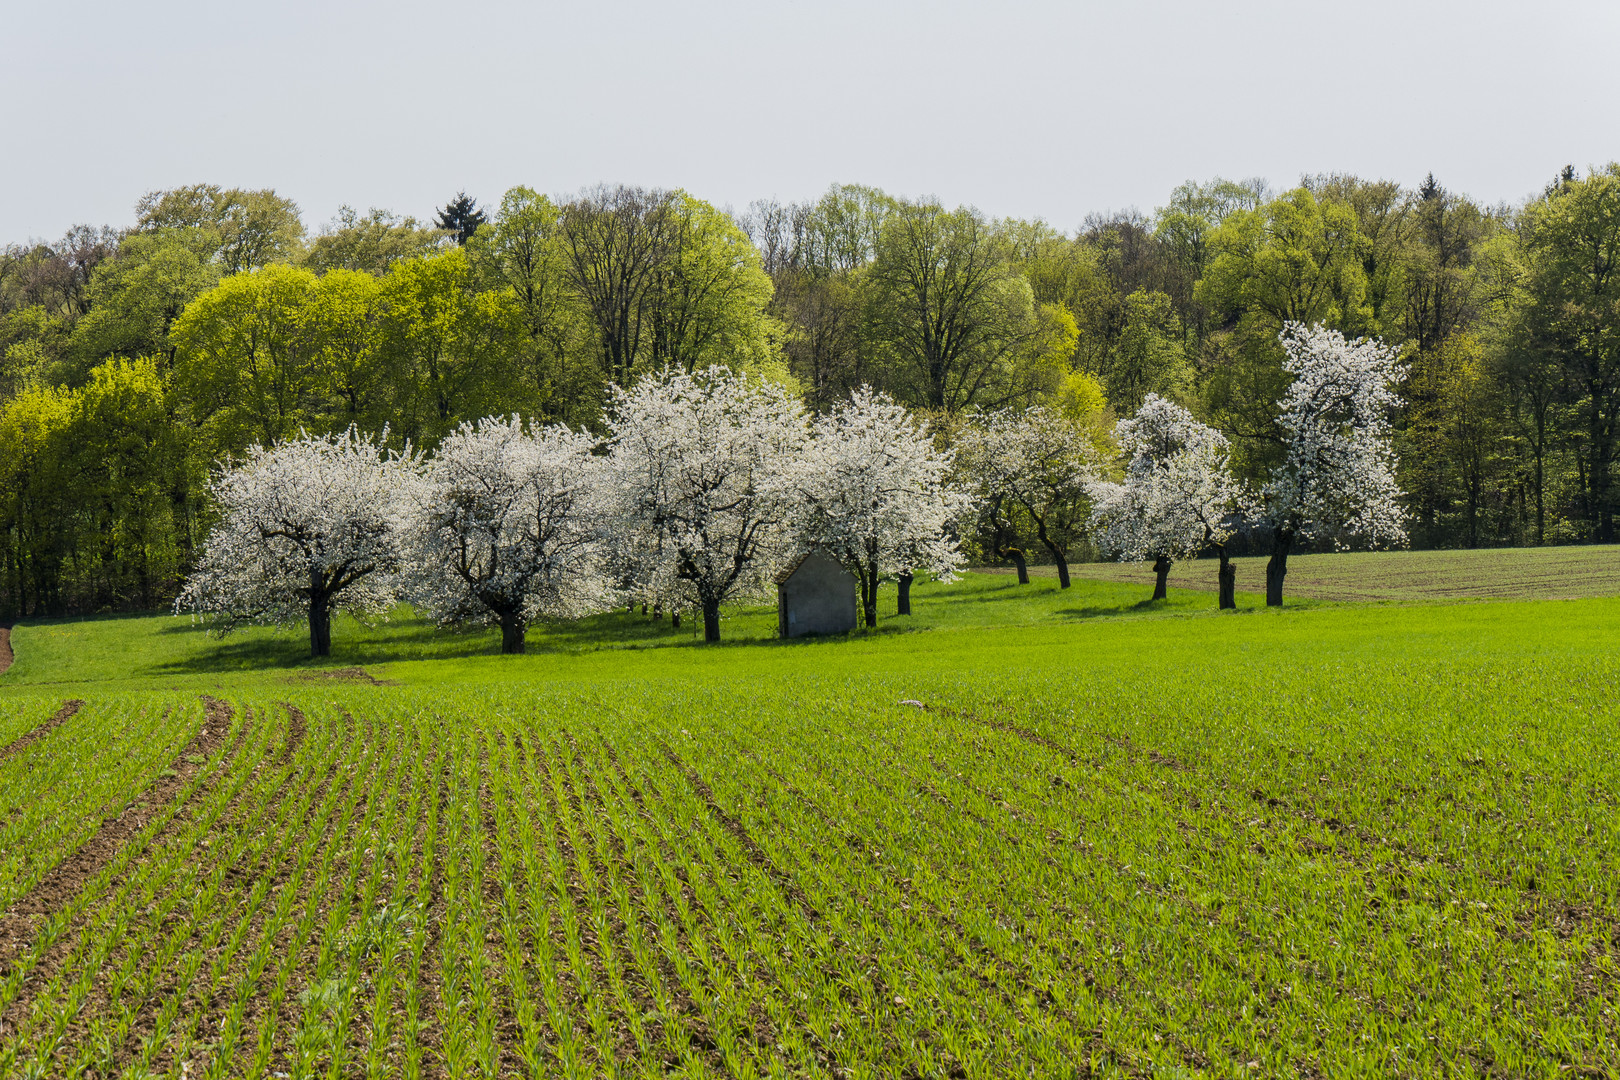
[
  {"x": 307, "y": 527},
  {"x": 506, "y": 527},
  {"x": 875, "y": 496},
  {"x": 1337, "y": 478},
  {"x": 1177, "y": 497},
  {"x": 702, "y": 467}
]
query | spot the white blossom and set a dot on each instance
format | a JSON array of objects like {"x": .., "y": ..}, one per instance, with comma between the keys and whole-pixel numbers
[
  {"x": 306, "y": 528},
  {"x": 506, "y": 528},
  {"x": 1036, "y": 461},
  {"x": 1337, "y": 480},
  {"x": 875, "y": 495},
  {"x": 1177, "y": 496},
  {"x": 701, "y": 467}
]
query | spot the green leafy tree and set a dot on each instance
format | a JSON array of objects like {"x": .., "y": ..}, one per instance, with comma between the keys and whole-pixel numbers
[
  {"x": 35, "y": 500},
  {"x": 710, "y": 294},
  {"x": 1384, "y": 227},
  {"x": 451, "y": 348},
  {"x": 1456, "y": 438},
  {"x": 244, "y": 364},
  {"x": 952, "y": 318},
  {"x": 1295, "y": 259},
  {"x": 132, "y": 479},
  {"x": 248, "y": 229},
  {"x": 1569, "y": 250},
  {"x": 372, "y": 242},
  {"x": 522, "y": 252},
  {"x": 33, "y": 349},
  {"x": 1148, "y": 355},
  {"x": 342, "y": 320},
  {"x": 137, "y": 296}
]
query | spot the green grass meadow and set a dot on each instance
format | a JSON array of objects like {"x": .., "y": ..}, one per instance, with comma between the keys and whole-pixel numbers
[{"x": 1111, "y": 838}]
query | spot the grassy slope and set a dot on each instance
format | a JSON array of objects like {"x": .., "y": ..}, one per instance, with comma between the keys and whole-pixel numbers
[
  {"x": 168, "y": 650},
  {"x": 1496, "y": 573}
]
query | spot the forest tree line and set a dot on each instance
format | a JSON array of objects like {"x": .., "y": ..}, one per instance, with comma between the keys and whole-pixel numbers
[{"x": 133, "y": 360}]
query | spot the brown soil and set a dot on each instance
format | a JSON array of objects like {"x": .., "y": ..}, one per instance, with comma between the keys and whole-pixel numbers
[
  {"x": 5, "y": 649},
  {"x": 347, "y": 674},
  {"x": 23, "y": 742},
  {"x": 64, "y": 881},
  {"x": 296, "y": 729}
]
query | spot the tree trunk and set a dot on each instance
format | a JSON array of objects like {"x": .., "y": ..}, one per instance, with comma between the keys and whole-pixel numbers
[
  {"x": 675, "y": 618},
  {"x": 1161, "y": 570},
  {"x": 1541, "y": 508},
  {"x": 1227, "y": 577},
  {"x": 1277, "y": 566},
  {"x": 905, "y": 595},
  {"x": 711, "y": 620},
  {"x": 320, "y": 624},
  {"x": 869, "y": 596},
  {"x": 1017, "y": 557},
  {"x": 512, "y": 635},
  {"x": 1060, "y": 557}
]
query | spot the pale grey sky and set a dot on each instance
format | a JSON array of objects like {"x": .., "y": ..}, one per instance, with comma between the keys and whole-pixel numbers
[{"x": 1022, "y": 107}]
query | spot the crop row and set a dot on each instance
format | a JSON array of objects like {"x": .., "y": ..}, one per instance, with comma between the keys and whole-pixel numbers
[
  {"x": 55, "y": 794},
  {"x": 22, "y": 714},
  {"x": 1348, "y": 873}
]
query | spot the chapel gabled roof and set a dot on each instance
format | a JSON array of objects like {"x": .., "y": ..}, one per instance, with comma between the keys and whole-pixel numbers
[{"x": 791, "y": 568}]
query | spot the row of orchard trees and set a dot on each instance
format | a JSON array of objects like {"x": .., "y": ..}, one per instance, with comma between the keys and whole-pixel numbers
[
  {"x": 707, "y": 483},
  {"x": 704, "y": 484},
  {"x": 1177, "y": 496}
]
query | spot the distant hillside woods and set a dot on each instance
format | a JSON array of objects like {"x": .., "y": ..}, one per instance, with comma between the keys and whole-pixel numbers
[{"x": 132, "y": 359}]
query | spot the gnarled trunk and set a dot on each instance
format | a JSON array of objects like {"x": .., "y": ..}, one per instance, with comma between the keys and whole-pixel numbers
[
  {"x": 320, "y": 619},
  {"x": 869, "y": 587},
  {"x": 1017, "y": 557},
  {"x": 1227, "y": 577},
  {"x": 711, "y": 620},
  {"x": 1060, "y": 558},
  {"x": 905, "y": 594},
  {"x": 1277, "y": 566},
  {"x": 513, "y": 629},
  {"x": 1161, "y": 568}
]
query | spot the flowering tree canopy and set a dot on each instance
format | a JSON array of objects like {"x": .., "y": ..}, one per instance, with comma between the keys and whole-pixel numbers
[
  {"x": 505, "y": 527},
  {"x": 875, "y": 495},
  {"x": 1337, "y": 480},
  {"x": 1177, "y": 496},
  {"x": 306, "y": 527},
  {"x": 1037, "y": 461},
  {"x": 702, "y": 466}
]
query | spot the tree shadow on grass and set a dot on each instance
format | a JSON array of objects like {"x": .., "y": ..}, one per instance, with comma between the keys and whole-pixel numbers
[
  {"x": 258, "y": 650},
  {"x": 409, "y": 638},
  {"x": 1103, "y": 611}
]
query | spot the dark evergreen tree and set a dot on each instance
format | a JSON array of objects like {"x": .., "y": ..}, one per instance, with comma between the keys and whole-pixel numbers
[{"x": 461, "y": 217}]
